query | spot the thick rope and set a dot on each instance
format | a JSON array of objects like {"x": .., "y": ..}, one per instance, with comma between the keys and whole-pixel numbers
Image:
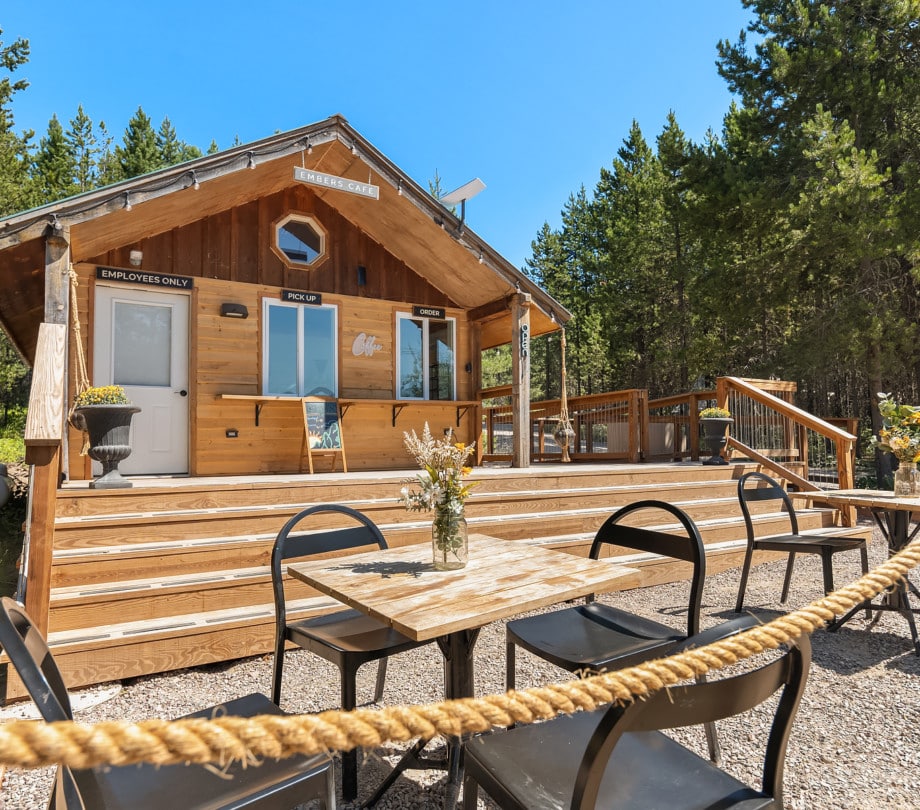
[
  {"x": 222, "y": 740},
  {"x": 81, "y": 382}
]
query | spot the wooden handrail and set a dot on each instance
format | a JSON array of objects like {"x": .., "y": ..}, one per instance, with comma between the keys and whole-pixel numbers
[
  {"x": 766, "y": 461},
  {"x": 797, "y": 414}
]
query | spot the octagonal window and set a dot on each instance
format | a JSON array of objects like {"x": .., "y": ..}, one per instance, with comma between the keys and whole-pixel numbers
[{"x": 300, "y": 240}]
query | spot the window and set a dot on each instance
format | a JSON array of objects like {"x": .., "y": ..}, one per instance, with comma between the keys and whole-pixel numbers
[
  {"x": 300, "y": 349},
  {"x": 300, "y": 240},
  {"x": 424, "y": 358}
]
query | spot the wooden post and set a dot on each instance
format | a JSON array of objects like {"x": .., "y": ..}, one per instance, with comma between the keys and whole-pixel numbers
[
  {"x": 57, "y": 276},
  {"x": 43, "y": 435},
  {"x": 475, "y": 383},
  {"x": 520, "y": 382}
]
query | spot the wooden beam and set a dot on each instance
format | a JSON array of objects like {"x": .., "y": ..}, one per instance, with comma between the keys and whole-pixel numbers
[
  {"x": 499, "y": 306},
  {"x": 520, "y": 380}
]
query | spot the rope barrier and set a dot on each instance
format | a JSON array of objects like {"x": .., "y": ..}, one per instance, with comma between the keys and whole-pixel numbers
[{"x": 224, "y": 739}]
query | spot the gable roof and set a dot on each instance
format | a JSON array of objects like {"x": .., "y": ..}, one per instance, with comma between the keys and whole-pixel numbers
[{"x": 411, "y": 224}]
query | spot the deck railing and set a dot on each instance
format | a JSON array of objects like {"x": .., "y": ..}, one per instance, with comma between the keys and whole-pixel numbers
[
  {"x": 626, "y": 426},
  {"x": 611, "y": 426},
  {"x": 775, "y": 433}
]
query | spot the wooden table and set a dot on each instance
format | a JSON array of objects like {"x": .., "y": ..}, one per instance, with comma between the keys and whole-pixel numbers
[
  {"x": 400, "y": 587},
  {"x": 893, "y": 516}
]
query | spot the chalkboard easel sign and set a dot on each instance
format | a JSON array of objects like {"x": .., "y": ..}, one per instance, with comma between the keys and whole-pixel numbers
[{"x": 322, "y": 431}]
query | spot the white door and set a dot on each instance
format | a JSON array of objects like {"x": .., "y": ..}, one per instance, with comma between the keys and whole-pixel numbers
[{"x": 141, "y": 343}]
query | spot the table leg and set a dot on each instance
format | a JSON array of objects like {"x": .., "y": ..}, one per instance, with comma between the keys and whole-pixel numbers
[
  {"x": 895, "y": 526},
  {"x": 457, "y": 649}
]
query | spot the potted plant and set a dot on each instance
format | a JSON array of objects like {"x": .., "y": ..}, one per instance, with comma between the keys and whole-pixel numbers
[
  {"x": 105, "y": 413},
  {"x": 715, "y": 422}
]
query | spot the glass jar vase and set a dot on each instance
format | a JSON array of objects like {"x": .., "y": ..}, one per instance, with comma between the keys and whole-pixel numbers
[
  {"x": 449, "y": 538},
  {"x": 906, "y": 482}
]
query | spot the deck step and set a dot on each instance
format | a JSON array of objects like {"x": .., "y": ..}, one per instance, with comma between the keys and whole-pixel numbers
[{"x": 174, "y": 573}]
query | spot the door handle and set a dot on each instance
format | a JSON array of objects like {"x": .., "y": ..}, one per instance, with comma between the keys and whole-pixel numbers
[{"x": 182, "y": 393}]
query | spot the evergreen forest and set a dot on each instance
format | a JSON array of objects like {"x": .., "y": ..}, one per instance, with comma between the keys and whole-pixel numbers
[{"x": 786, "y": 244}]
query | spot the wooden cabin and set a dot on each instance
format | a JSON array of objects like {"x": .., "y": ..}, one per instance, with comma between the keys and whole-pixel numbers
[{"x": 222, "y": 291}]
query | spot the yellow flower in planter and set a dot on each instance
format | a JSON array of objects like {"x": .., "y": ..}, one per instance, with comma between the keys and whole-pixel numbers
[{"x": 102, "y": 395}]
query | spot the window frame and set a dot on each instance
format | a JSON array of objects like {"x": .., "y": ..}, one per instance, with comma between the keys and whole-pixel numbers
[
  {"x": 267, "y": 304},
  {"x": 426, "y": 380},
  {"x": 307, "y": 219}
]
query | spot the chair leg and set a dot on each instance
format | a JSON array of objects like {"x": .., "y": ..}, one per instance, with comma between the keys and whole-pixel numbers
[
  {"x": 509, "y": 665},
  {"x": 788, "y": 579},
  {"x": 864, "y": 554},
  {"x": 381, "y": 679},
  {"x": 745, "y": 570},
  {"x": 470, "y": 792},
  {"x": 349, "y": 758},
  {"x": 712, "y": 740},
  {"x": 277, "y": 668}
]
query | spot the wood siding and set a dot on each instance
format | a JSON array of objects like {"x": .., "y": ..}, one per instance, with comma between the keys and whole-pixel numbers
[{"x": 230, "y": 257}]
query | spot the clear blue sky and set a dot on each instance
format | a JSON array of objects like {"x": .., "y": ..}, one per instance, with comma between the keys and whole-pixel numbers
[{"x": 532, "y": 97}]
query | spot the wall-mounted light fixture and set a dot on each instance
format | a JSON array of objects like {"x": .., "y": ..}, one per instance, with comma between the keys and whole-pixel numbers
[
  {"x": 136, "y": 257},
  {"x": 229, "y": 310},
  {"x": 362, "y": 275}
]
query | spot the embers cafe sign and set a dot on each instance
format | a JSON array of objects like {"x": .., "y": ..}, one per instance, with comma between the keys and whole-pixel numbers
[{"x": 337, "y": 183}]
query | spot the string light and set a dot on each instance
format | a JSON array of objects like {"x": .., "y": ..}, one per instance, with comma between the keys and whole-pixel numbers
[
  {"x": 354, "y": 148},
  {"x": 309, "y": 147},
  {"x": 399, "y": 187},
  {"x": 480, "y": 255},
  {"x": 195, "y": 184},
  {"x": 128, "y": 201},
  {"x": 252, "y": 160}
]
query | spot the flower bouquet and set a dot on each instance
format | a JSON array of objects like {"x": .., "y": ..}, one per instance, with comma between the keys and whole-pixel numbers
[
  {"x": 900, "y": 436},
  {"x": 440, "y": 487}
]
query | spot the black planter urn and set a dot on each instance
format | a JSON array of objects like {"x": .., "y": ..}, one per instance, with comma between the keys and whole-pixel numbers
[
  {"x": 109, "y": 428},
  {"x": 714, "y": 430}
]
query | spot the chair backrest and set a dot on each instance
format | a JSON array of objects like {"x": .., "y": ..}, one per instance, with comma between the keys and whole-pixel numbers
[
  {"x": 705, "y": 702},
  {"x": 33, "y": 662},
  {"x": 756, "y": 487},
  {"x": 289, "y": 545},
  {"x": 687, "y": 547}
]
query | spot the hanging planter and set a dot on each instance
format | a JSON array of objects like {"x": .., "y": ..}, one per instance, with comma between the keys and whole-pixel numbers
[{"x": 564, "y": 435}]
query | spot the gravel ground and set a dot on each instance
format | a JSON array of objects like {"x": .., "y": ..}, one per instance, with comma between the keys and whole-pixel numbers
[{"x": 855, "y": 743}]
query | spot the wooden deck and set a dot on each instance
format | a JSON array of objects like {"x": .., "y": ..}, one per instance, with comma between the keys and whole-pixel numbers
[{"x": 174, "y": 571}]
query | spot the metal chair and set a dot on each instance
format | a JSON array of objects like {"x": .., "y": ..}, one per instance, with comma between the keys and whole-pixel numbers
[
  {"x": 758, "y": 487},
  {"x": 594, "y": 636},
  {"x": 618, "y": 758},
  {"x": 281, "y": 784},
  {"x": 346, "y": 638}
]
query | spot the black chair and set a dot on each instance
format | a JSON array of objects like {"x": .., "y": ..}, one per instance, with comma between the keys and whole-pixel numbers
[
  {"x": 756, "y": 487},
  {"x": 281, "y": 784},
  {"x": 346, "y": 638},
  {"x": 617, "y": 758},
  {"x": 594, "y": 636}
]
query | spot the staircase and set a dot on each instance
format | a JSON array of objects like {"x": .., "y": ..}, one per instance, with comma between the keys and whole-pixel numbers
[{"x": 174, "y": 572}]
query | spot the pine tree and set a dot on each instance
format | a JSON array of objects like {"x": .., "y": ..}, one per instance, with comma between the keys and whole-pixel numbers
[
  {"x": 139, "y": 153},
  {"x": 15, "y": 186},
  {"x": 82, "y": 142},
  {"x": 55, "y": 165}
]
